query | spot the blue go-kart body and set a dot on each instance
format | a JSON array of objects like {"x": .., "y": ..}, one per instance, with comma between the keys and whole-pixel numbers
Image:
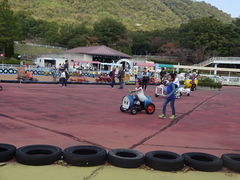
[{"x": 132, "y": 104}]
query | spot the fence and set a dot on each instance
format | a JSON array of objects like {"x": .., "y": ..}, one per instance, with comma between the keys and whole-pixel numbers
[{"x": 225, "y": 80}]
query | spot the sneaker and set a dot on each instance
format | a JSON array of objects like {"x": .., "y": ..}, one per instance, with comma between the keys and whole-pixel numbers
[
  {"x": 172, "y": 117},
  {"x": 162, "y": 116}
]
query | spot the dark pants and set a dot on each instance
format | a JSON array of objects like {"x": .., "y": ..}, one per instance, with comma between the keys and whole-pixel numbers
[
  {"x": 63, "y": 81},
  {"x": 193, "y": 87},
  {"x": 172, "y": 100},
  {"x": 144, "y": 83},
  {"x": 113, "y": 83},
  {"x": 121, "y": 81}
]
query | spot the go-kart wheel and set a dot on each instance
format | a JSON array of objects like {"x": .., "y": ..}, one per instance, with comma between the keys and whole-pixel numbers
[
  {"x": 180, "y": 94},
  {"x": 188, "y": 94},
  {"x": 156, "y": 95},
  {"x": 133, "y": 111},
  {"x": 1, "y": 88},
  {"x": 150, "y": 109},
  {"x": 121, "y": 108}
]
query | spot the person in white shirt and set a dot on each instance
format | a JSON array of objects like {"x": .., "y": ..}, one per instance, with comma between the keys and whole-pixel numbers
[
  {"x": 176, "y": 81},
  {"x": 63, "y": 79},
  {"x": 139, "y": 91}
]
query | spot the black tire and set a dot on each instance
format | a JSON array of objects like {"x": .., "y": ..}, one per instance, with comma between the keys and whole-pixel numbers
[
  {"x": 11, "y": 71},
  {"x": 1, "y": 71},
  {"x": 156, "y": 95},
  {"x": 232, "y": 162},
  {"x": 150, "y": 109},
  {"x": 125, "y": 158},
  {"x": 38, "y": 155},
  {"x": 164, "y": 161},
  {"x": 188, "y": 94},
  {"x": 121, "y": 109},
  {"x": 35, "y": 72},
  {"x": 1, "y": 88},
  {"x": 15, "y": 71},
  {"x": 5, "y": 71},
  {"x": 7, "y": 152},
  {"x": 85, "y": 156},
  {"x": 133, "y": 111},
  {"x": 203, "y": 161}
]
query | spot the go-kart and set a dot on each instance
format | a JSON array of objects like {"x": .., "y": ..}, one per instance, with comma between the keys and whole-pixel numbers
[
  {"x": 161, "y": 89},
  {"x": 183, "y": 91},
  {"x": 133, "y": 105}
]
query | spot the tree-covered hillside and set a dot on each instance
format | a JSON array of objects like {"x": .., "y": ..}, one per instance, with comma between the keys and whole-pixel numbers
[{"x": 135, "y": 14}]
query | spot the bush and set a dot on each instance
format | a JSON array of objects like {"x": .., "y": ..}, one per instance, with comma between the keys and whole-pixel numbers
[
  {"x": 10, "y": 61},
  {"x": 208, "y": 82}
]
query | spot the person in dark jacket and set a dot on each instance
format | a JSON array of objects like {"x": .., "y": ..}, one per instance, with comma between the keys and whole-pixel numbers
[
  {"x": 145, "y": 79},
  {"x": 121, "y": 75},
  {"x": 65, "y": 68},
  {"x": 112, "y": 76}
]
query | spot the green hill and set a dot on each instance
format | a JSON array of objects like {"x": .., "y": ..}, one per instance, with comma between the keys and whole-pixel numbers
[{"x": 135, "y": 14}]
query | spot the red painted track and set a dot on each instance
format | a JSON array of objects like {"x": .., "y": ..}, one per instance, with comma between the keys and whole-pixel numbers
[{"x": 208, "y": 121}]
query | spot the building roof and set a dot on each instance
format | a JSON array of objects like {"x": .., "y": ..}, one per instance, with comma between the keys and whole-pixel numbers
[{"x": 98, "y": 50}]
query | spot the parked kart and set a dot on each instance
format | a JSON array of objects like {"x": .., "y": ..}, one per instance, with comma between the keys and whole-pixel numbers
[
  {"x": 161, "y": 89},
  {"x": 130, "y": 103},
  {"x": 183, "y": 91},
  {"x": 103, "y": 78}
]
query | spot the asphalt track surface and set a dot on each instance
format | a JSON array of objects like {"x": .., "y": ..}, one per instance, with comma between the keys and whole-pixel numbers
[{"x": 207, "y": 121}]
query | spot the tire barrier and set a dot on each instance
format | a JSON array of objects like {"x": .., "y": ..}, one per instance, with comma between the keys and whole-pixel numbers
[
  {"x": 232, "y": 162},
  {"x": 8, "y": 71},
  {"x": 5, "y": 71},
  {"x": 85, "y": 156},
  {"x": 125, "y": 158},
  {"x": 164, "y": 161},
  {"x": 203, "y": 161},
  {"x": 7, "y": 152},
  {"x": 38, "y": 155}
]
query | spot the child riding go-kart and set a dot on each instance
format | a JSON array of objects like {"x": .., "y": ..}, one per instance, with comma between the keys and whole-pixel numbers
[
  {"x": 138, "y": 102},
  {"x": 133, "y": 105}
]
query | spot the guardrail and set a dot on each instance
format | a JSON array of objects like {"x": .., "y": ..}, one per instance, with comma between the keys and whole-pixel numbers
[
  {"x": 225, "y": 80},
  {"x": 211, "y": 60}
]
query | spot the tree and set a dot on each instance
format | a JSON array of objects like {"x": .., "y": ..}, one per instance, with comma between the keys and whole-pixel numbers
[
  {"x": 207, "y": 37},
  {"x": 113, "y": 34},
  {"x": 8, "y": 29}
]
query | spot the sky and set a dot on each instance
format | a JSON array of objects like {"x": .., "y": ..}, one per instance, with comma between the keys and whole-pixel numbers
[{"x": 229, "y": 6}]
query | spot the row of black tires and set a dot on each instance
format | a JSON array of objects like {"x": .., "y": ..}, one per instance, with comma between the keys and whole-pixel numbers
[
  {"x": 14, "y": 71},
  {"x": 37, "y": 155}
]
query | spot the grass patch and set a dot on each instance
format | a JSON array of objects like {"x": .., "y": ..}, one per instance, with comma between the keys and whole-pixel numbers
[{"x": 24, "y": 49}]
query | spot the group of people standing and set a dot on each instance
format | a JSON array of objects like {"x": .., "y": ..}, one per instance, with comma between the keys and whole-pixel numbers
[
  {"x": 121, "y": 74},
  {"x": 64, "y": 74}
]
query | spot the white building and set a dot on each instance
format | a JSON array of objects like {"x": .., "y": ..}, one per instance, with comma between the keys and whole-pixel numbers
[{"x": 101, "y": 54}]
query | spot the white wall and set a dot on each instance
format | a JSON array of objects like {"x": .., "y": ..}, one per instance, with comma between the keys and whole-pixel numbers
[{"x": 60, "y": 58}]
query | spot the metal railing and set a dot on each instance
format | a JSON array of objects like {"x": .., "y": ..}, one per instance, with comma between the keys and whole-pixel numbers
[
  {"x": 225, "y": 80},
  {"x": 211, "y": 60}
]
